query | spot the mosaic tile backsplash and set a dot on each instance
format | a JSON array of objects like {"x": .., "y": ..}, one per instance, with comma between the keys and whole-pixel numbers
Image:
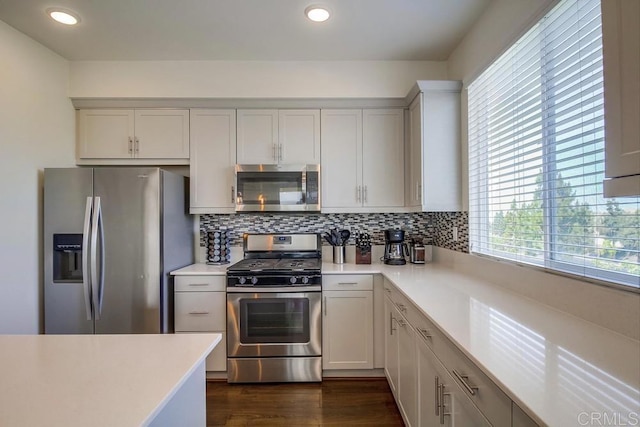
[{"x": 433, "y": 227}]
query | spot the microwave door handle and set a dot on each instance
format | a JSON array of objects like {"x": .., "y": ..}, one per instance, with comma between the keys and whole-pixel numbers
[{"x": 86, "y": 235}]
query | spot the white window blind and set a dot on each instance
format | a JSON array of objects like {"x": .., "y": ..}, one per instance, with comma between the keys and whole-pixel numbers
[{"x": 536, "y": 155}]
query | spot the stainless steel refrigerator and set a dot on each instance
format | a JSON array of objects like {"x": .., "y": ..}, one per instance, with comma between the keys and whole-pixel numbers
[{"x": 111, "y": 236}]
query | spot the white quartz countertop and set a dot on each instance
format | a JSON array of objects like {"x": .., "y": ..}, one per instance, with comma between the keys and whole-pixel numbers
[
  {"x": 94, "y": 380},
  {"x": 560, "y": 369}
]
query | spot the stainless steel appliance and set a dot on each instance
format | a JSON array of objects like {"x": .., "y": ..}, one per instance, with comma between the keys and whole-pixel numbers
[
  {"x": 394, "y": 247},
  {"x": 276, "y": 188},
  {"x": 111, "y": 235},
  {"x": 274, "y": 308}
]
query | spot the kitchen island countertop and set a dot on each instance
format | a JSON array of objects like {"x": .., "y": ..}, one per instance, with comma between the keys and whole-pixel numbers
[{"x": 102, "y": 380}]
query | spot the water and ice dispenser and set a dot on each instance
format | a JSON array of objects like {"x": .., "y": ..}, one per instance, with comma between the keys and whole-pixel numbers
[{"x": 67, "y": 258}]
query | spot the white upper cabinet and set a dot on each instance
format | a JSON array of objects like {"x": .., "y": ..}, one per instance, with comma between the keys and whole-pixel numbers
[
  {"x": 213, "y": 159},
  {"x": 383, "y": 158},
  {"x": 362, "y": 160},
  {"x": 278, "y": 136},
  {"x": 434, "y": 180},
  {"x": 154, "y": 136},
  {"x": 341, "y": 165},
  {"x": 621, "y": 55}
]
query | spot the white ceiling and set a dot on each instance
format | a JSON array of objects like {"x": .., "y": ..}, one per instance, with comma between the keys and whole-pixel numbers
[{"x": 247, "y": 29}]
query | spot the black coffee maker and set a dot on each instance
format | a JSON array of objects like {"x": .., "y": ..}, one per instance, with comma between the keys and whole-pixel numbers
[{"x": 394, "y": 247}]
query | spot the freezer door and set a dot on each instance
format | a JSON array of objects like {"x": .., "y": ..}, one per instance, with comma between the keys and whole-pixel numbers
[
  {"x": 130, "y": 250},
  {"x": 67, "y": 307}
]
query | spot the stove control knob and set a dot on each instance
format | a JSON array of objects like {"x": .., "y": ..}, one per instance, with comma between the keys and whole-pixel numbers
[
  {"x": 254, "y": 280},
  {"x": 305, "y": 280},
  {"x": 293, "y": 279},
  {"x": 242, "y": 280}
]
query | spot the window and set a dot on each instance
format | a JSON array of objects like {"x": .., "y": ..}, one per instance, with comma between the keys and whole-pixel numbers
[{"x": 536, "y": 155}]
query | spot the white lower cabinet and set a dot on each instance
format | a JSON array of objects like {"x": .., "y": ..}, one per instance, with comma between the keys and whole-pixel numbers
[
  {"x": 201, "y": 306},
  {"x": 347, "y": 322},
  {"x": 442, "y": 402},
  {"x": 434, "y": 384}
]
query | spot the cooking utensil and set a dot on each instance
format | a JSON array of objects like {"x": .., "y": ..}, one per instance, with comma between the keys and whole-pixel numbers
[{"x": 344, "y": 235}]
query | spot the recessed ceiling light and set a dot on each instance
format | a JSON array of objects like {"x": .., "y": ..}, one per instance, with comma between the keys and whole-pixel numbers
[
  {"x": 317, "y": 13},
  {"x": 63, "y": 16}
]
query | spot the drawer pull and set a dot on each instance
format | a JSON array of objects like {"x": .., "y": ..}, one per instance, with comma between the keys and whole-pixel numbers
[
  {"x": 402, "y": 323},
  {"x": 388, "y": 290},
  {"x": 391, "y": 328},
  {"x": 425, "y": 334},
  {"x": 347, "y": 283},
  {"x": 463, "y": 380},
  {"x": 199, "y": 312},
  {"x": 401, "y": 307},
  {"x": 198, "y": 284}
]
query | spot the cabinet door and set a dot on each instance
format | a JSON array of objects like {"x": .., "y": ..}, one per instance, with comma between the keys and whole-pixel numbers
[
  {"x": 391, "y": 346},
  {"x": 299, "y": 136},
  {"x": 257, "y": 137},
  {"x": 414, "y": 184},
  {"x": 442, "y": 402},
  {"x": 341, "y": 158},
  {"x": 407, "y": 396},
  {"x": 162, "y": 134},
  {"x": 212, "y": 161},
  {"x": 105, "y": 134},
  {"x": 383, "y": 158},
  {"x": 347, "y": 330},
  {"x": 621, "y": 57}
]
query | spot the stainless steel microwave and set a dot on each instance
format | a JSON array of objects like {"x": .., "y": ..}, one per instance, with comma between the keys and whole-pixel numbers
[{"x": 277, "y": 188}]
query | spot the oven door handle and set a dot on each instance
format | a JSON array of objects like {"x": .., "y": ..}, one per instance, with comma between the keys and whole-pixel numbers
[{"x": 274, "y": 290}]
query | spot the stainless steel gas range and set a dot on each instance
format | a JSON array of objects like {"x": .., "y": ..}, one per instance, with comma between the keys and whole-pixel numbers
[{"x": 274, "y": 309}]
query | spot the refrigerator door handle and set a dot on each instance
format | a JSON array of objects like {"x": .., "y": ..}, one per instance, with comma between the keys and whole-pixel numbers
[
  {"x": 101, "y": 226},
  {"x": 95, "y": 284},
  {"x": 86, "y": 230}
]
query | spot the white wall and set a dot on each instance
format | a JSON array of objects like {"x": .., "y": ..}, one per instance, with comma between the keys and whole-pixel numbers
[
  {"x": 36, "y": 131},
  {"x": 503, "y": 22},
  {"x": 249, "y": 79}
]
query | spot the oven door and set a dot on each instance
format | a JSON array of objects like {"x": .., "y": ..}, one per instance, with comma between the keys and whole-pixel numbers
[{"x": 274, "y": 324}]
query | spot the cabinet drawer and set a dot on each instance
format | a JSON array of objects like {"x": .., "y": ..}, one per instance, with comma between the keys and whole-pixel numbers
[
  {"x": 200, "y": 283},
  {"x": 200, "y": 311},
  {"x": 347, "y": 282},
  {"x": 494, "y": 404}
]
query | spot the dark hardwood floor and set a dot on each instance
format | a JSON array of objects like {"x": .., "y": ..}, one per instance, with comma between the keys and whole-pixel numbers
[{"x": 334, "y": 402}]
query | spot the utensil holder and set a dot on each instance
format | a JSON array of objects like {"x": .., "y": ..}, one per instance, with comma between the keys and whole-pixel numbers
[{"x": 339, "y": 254}]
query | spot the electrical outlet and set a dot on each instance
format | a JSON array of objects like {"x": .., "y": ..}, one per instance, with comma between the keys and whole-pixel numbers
[{"x": 455, "y": 234}]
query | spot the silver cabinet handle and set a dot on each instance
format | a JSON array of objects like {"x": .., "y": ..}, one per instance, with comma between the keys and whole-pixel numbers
[
  {"x": 437, "y": 395},
  {"x": 441, "y": 399},
  {"x": 402, "y": 307},
  {"x": 463, "y": 380},
  {"x": 391, "y": 319},
  {"x": 86, "y": 277},
  {"x": 273, "y": 152},
  {"x": 233, "y": 194},
  {"x": 425, "y": 334},
  {"x": 419, "y": 191},
  {"x": 325, "y": 305},
  {"x": 137, "y": 144},
  {"x": 348, "y": 283},
  {"x": 198, "y": 312},
  {"x": 365, "y": 198},
  {"x": 280, "y": 152},
  {"x": 358, "y": 193},
  {"x": 402, "y": 323},
  {"x": 198, "y": 284},
  {"x": 130, "y": 145},
  {"x": 387, "y": 290}
]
